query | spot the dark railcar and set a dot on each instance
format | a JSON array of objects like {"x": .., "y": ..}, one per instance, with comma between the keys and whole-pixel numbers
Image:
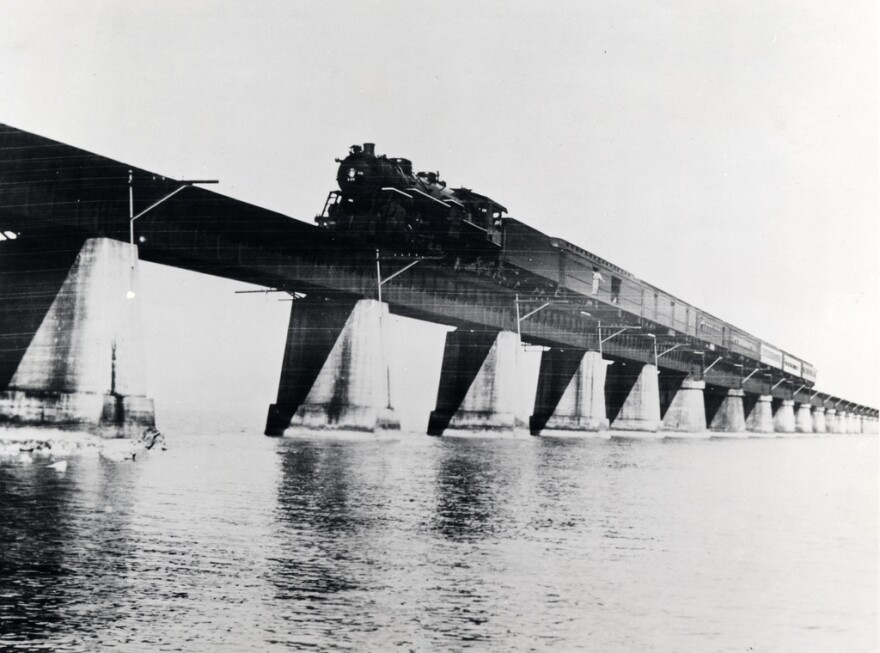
[
  {"x": 527, "y": 248},
  {"x": 710, "y": 329},
  {"x": 740, "y": 342}
]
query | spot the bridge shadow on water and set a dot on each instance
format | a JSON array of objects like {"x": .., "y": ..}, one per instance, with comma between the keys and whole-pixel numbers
[
  {"x": 471, "y": 486},
  {"x": 66, "y": 552},
  {"x": 315, "y": 518}
]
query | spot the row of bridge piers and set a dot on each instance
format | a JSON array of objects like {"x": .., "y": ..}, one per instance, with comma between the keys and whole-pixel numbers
[
  {"x": 335, "y": 377},
  {"x": 73, "y": 357}
]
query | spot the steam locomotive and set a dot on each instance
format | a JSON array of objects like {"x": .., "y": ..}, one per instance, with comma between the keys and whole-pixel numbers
[{"x": 381, "y": 199}]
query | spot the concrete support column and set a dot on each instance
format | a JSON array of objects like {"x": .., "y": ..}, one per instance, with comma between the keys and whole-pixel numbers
[
  {"x": 783, "y": 417},
  {"x": 570, "y": 398},
  {"x": 687, "y": 411},
  {"x": 335, "y": 372},
  {"x": 830, "y": 420},
  {"x": 730, "y": 416},
  {"x": 478, "y": 385},
  {"x": 81, "y": 362},
  {"x": 640, "y": 410},
  {"x": 819, "y": 425},
  {"x": 760, "y": 417},
  {"x": 843, "y": 422},
  {"x": 759, "y": 420},
  {"x": 803, "y": 419}
]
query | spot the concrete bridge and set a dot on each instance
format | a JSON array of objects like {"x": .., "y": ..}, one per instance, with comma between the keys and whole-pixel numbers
[{"x": 74, "y": 226}]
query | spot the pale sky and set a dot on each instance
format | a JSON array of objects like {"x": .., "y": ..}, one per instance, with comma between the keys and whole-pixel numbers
[{"x": 724, "y": 151}]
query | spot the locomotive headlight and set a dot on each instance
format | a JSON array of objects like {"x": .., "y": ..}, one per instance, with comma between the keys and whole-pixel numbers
[{"x": 351, "y": 173}]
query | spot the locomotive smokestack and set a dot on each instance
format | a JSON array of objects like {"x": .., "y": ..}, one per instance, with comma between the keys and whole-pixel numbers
[{"x": 370, "y": 149}]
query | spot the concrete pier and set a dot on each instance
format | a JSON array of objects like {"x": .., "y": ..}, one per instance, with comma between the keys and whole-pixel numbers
[
  {"x": 783, "y": 416},
  {"x": 851, "y": 423},
  {"x": 640, "y": 410},
  {"x": 477, "y": 393},
  {"x": 687, "y": 411},
  {"x": 819, "y": 425},
  {"x": 831, "y": 425},
  {"x": 730, "y": 416},
  {"x": 759, "y": 420},
  {"x": 335, "y": 372},
  {"x": 803, "y": 419},
  {"x": 81, "y": 363},
  {"x": 570, "y": 398}
]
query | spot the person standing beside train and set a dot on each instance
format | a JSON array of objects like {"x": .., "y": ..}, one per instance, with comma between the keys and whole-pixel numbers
[{"x": 597, "y": 277}]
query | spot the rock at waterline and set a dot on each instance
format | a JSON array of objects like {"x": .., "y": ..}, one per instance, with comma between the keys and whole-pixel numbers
[{"x": 23, "y": 445}]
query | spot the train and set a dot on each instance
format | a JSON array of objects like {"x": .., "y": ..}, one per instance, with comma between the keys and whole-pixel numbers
[{"x": 380, "y": 198}]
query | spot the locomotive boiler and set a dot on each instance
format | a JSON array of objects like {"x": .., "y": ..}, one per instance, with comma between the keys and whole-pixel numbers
[{"x": 380, "y": 197}]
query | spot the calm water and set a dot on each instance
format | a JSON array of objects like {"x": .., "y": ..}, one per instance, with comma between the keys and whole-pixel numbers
[{"x": 234, "y": 541}]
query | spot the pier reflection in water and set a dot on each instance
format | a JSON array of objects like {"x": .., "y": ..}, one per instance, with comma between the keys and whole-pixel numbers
[{"x": 232, "y": 541}]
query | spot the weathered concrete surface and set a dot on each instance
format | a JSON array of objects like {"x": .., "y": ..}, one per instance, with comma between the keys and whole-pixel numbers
[
  {"x": 852, "y": 424},
  {"x": 759, "y": 420},
  {"x": 640, "y": 412},
  {"x": 831, "y": 420},
  {"x": 803, "y": 419},
  {"x": 783, "y": 417},
  {"x": 335, "y": 373},
  {"x": 83, "y": 368},
  {"x": 687, "y": 411},
  {"x": 478, "y": 386},
  {"x": 730, "y": 416},
  {"x": 819, "y": 425},
  {"x": 570, "y": 404}
]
